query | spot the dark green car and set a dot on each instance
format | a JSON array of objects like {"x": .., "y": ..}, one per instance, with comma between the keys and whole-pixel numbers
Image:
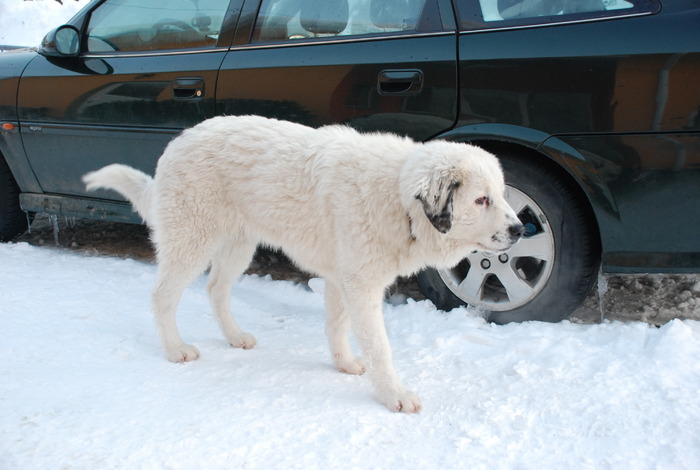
[{"x": 593, "y": 107}]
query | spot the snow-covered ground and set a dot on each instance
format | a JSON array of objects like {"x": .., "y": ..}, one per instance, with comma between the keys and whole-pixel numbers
[{"x": 84, "y": 383}]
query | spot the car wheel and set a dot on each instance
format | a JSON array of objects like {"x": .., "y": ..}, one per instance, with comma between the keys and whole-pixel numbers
[
  {"x": 13, "y": 220},
  {"x": 546, "y": 275}
]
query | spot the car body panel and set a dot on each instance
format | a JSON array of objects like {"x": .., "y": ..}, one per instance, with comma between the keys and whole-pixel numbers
[
  {"x": 652, "y": 216},
  {"x": 12, "y": 64},
  {"x": 108, "y": 109}
]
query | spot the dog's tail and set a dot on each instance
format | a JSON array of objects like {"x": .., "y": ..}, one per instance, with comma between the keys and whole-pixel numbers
[{"x": 133, "y": 184}]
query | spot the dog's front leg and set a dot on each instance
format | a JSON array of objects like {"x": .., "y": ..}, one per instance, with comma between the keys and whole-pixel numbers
[
  {"x": 364, "y": 306},
  {"x": 338, "y": 331}
]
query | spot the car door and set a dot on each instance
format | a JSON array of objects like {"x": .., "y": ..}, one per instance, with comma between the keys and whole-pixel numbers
[
  {"x": 146, "y": 70},
  {"x": 375, "y": 65}
]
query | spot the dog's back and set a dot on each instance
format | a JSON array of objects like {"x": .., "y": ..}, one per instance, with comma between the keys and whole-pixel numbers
[{"x": 285, "y": 184}]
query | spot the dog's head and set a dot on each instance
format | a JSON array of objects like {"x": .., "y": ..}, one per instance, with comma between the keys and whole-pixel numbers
[{"x": 461, "y": 190}]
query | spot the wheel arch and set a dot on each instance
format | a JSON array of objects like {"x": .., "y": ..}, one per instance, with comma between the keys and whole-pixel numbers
[{"x": 577, "y": 173}]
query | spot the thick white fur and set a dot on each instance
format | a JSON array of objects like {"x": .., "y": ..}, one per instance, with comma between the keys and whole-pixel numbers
[{"x": 352, "y": 208}]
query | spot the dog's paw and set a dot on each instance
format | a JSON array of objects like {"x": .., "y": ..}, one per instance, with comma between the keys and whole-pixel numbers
[
  {"x": 403, "y": 401},
  {"x": 354, "y": 365},
  {"x": 183, "y": 353},
  {"x": 243, "y": 341}
]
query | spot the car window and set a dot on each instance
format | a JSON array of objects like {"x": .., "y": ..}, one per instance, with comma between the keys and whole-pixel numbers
[
  {"x": 499, "y": 10},
  {"x": 483, "y": 14},
  {"x": 135, "y": 25},
  {"x": 290, "y": 20}
]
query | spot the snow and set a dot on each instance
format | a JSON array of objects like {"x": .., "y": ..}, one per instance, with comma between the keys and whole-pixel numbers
[
  {"x": 24, "y": 23},
  {"x": 86, "y": 385}
]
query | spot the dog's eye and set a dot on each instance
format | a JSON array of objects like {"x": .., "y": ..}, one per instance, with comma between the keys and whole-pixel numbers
[{"x": 483, "y": 201}]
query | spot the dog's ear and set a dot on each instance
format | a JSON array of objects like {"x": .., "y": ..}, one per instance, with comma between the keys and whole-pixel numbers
[{"x": 437, "y": 198}]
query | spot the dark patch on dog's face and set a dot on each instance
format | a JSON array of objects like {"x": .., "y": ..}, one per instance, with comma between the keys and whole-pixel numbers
[{"x": 440, "y": 215}]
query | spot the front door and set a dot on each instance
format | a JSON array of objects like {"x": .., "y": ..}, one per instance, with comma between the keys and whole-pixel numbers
[{"x": 146, "y": 71}]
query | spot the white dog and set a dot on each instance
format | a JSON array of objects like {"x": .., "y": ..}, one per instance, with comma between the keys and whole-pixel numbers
[{"x": 356, "y": 209}]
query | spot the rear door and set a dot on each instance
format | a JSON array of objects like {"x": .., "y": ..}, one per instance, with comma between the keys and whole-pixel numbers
[
  {"x": 375, "y": 65},
  {"x": 146, "y": 71}
]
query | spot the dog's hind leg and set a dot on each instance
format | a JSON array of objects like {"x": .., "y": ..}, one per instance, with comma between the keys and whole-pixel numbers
[
  {"x": 338, "y": 331},
  {"x": 173, "y": 278},
  {"x": 227, "y": 265}
]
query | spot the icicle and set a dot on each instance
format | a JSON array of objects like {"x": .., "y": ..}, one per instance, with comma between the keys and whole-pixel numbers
[
  {"x": 54, "y": 223},
  {"x": 602, "y": 290}
]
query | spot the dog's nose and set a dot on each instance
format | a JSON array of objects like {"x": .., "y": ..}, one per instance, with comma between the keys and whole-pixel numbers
[{"x": 516, "y": 231}]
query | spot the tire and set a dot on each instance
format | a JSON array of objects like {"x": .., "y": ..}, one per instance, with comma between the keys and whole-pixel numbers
[
  {"x": 547, "y": 274},
  {"x": 13, "y": 220}
]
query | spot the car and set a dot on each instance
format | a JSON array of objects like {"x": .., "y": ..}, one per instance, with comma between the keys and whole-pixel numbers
[{"x": 592, "y": 107}]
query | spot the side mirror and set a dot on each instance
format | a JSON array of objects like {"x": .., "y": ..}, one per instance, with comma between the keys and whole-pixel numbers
[{"x": 63, "y": 41}]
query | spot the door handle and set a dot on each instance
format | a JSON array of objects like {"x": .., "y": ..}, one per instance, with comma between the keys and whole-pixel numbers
[
  {"x": 400, "y": 82},
  {"x": 188, "y": 88}
]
